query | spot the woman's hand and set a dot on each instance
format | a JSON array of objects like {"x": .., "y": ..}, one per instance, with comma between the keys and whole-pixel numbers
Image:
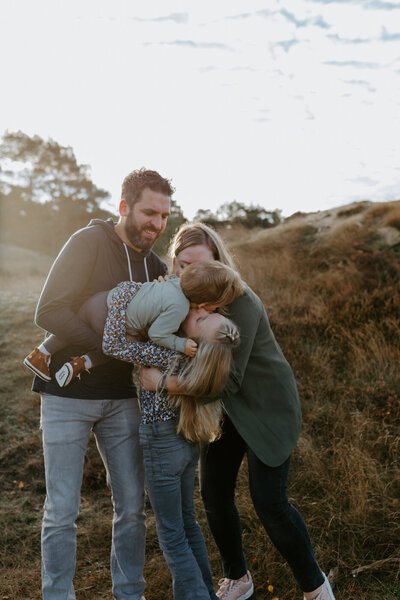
[{"x": 149, "y": 377}]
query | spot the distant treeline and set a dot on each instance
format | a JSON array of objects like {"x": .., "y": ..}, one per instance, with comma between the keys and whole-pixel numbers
[
  {"x": 45, "y": 195},
  {"x": 232, "y": 213}
]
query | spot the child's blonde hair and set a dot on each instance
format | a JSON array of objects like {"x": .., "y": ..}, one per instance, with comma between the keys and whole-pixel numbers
[
  {"x": 211, "y": 283},
  {"x": 204, "y": 376}
]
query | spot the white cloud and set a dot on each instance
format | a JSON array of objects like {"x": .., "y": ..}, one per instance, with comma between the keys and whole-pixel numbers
[{"x": 301, "y": 113}]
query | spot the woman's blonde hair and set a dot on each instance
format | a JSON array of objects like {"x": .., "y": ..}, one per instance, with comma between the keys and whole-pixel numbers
[
  {"x": 211, "y": 283},
  {"x": 199, "y": 234},
  {"x": 204, "y": 376}
]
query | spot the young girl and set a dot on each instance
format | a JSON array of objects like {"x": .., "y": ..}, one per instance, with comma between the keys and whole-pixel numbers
[
  {"x": 156, "y": 311},
  {"x": 170, "y": 460}
]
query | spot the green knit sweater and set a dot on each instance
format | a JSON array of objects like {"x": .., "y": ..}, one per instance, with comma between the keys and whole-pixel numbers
[{"x": 261, "y": 396}]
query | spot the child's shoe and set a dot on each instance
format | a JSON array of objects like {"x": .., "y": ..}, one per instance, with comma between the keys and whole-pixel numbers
[
  {"x": 38, "y": 362},
  {"x": 70, "y": 370}
]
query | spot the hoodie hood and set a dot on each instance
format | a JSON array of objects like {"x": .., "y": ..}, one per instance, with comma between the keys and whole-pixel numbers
[{"x": 108, "y": 227}]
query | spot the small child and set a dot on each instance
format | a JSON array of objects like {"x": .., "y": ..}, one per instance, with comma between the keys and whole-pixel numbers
[{"x": 156, "y": 311}]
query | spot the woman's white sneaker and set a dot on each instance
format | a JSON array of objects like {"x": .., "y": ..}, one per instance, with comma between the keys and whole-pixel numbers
[
  {"x": 235, "y": 589},
  {"x": 326, "y": 591}
]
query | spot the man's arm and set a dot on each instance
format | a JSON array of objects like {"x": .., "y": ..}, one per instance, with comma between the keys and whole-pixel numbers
[{"x": 64, "y": 292}]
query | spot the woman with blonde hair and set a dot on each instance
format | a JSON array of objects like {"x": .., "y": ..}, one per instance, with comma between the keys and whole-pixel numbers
[
  {"x": 170, "y": 431},
  {"x": 262, "y": 420}
]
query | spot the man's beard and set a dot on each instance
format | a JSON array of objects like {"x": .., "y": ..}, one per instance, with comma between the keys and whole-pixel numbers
[{"x": 134, "y": 235}]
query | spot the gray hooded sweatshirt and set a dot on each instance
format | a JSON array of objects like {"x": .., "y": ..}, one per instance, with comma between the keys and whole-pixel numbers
[{"x": 94, "y": 259}]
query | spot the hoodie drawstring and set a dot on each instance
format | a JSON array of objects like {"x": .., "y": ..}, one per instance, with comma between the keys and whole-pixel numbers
[
  {"x": 145, "y": 268},
  {"x": 129, "y": 264}
]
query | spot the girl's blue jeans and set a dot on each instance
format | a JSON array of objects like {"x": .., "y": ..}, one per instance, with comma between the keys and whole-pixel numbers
[{"x": 170, "y": 464}]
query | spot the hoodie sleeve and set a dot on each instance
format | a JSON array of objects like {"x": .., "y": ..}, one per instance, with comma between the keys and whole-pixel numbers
[
  {"x": 157, "y": 266},
  {"x": 246, "y": 314},
  {"x": 64, "y": 292}
]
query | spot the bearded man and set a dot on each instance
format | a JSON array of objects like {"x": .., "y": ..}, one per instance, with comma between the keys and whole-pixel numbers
[{"x": 94, "y": 259}]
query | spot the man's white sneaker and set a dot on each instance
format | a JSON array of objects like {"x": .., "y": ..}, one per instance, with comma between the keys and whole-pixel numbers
[
  {"x": 326, "y": 591},
  {"x": 235, "y": 589}
]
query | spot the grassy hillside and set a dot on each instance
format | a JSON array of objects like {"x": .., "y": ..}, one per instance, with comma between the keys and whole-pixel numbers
[{"x": 330, "y": 282}]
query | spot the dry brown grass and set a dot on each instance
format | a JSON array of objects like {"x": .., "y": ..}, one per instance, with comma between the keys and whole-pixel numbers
[
  {"x": 393, "y": 218},
  {"x": 333, "y": 297}
]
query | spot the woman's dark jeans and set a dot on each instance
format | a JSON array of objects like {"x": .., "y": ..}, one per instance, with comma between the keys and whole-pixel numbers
[{"x": 219, "y": 466}]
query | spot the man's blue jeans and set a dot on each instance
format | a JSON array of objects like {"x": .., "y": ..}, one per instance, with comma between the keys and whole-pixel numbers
[
  {"x": 170, "y": 464},
  {"x": 66, "y": 424}
]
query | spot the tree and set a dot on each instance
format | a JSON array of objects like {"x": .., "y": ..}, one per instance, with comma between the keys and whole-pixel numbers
[
  {"x": 206, "y": 216},
  {"x": 234, "y": 212},
  {"x": 231, "y": 212},
  {"x": 47, "y": 172},
  {"x": 257, "y": 216},
  {"x": 45, "y": 194}
]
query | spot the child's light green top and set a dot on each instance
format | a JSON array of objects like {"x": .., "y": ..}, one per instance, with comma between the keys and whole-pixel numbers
[{"x": 161, "y": 307}]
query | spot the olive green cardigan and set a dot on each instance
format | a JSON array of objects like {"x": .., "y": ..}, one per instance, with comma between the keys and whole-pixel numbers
[{"x": 261, "y": 397}]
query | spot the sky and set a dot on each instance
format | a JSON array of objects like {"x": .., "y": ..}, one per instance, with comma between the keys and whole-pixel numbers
[{"x": 288, "y": 104}]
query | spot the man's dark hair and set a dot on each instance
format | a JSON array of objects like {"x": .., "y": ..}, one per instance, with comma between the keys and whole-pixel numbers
[{"x": 134, "y": 184}]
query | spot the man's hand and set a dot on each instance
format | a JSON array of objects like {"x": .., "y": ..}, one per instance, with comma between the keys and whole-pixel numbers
[
  {"x": 190, "y": 348},
  {"x": 131, "y": 338},
  {"x": 160, "y": 278}
]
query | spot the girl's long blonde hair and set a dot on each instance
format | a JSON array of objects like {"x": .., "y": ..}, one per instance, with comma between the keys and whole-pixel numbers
[{"x": 204, "y": 376}]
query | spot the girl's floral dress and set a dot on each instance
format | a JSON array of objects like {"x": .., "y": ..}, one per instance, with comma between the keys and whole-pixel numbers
[{"x": 154, "y": 406}]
